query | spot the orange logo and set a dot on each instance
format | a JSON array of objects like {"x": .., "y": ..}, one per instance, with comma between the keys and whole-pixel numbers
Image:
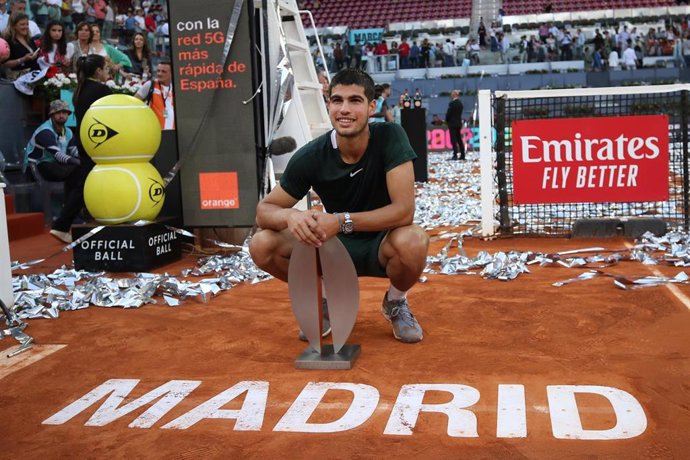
[{"x": 219, "y": 190}]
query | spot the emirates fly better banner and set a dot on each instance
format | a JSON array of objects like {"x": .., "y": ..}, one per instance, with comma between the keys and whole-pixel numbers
[{"x": 590, "y": 160}]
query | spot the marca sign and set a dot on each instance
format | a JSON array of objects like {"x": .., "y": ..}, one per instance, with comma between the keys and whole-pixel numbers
[
  {"x": 363, "y": 400},
  {"x": 590, "y": 160}
]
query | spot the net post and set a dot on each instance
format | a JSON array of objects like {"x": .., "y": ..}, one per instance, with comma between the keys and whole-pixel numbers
[
  {"x": 684, "y": 131},
  {"x": 486, "y": 162},
  {"x": 500, "y": 115}
]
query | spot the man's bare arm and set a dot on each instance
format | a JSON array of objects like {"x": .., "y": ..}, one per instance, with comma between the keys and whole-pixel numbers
[
  {"x": 400, "y": 183},
  {"x": 276, "y": 212}
]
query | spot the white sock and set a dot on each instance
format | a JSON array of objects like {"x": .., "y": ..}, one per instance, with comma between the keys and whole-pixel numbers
[
  {"x": 323, "y": 289},
  {"x": 395, "y": 294}
]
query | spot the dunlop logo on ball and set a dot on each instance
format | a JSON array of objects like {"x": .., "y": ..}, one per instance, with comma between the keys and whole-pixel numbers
[
  {"x": 156, "y": 191},
  {"x": 99, "y": 133}
]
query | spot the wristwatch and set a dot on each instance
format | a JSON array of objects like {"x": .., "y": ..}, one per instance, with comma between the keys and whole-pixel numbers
[{"x": 347, "y": 227}]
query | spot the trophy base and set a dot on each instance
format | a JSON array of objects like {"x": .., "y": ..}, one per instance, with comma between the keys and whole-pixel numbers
[{"x": 343, "y": 360}]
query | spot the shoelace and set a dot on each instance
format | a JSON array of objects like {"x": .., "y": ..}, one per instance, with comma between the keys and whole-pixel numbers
[{"x": 402, "y": 311}]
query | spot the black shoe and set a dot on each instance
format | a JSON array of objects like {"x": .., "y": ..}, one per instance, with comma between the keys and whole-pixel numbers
[{"x": 454, "y": 158}]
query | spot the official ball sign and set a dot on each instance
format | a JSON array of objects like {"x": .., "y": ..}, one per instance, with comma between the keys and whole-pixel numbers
[
  {"x": 126, "y": 248},
  {"x": 591, "y": 160}
]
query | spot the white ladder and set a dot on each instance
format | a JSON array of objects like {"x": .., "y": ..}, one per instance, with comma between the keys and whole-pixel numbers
[
  {"x": 306, "y": 117},
  {"x": 309, "y": 118}
]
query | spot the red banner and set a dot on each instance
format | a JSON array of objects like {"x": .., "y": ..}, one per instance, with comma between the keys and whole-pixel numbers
[{"x": 590, "y": 160}]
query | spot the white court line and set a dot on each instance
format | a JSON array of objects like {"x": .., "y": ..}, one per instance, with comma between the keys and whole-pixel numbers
[
  {"x": 30, "y": 356},
  {"x": 685, "y": 300}
]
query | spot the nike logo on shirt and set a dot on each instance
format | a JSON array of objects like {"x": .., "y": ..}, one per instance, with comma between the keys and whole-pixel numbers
[{"x": 354, "y": 173}]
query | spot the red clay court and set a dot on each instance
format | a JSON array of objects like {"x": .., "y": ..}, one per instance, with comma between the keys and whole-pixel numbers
[{"x": 489, "y": 341}]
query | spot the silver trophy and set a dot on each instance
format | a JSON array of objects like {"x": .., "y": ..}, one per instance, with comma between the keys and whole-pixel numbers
[{"x": 307, "y": 267}]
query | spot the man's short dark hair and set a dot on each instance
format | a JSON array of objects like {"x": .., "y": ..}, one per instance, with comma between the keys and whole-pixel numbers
[{"x": 354, "y": 77}]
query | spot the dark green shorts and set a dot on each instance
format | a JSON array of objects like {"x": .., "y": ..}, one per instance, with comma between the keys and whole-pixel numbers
[{"x": 365, "y": 253}]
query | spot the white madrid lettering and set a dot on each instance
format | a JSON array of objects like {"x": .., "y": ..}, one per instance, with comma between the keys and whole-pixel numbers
[{"x": 511, "y": 419}]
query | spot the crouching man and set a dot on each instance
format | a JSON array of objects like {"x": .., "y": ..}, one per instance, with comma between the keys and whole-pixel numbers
[{"x": 364, "y": 177}]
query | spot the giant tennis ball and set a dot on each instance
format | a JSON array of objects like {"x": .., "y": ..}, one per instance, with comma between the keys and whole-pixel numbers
[
  {"x": 120, "y": 129},
  {"x": 124, "y": 192}
]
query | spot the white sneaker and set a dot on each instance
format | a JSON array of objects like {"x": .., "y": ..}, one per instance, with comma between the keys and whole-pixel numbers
[{"x": 65, "y": 237}]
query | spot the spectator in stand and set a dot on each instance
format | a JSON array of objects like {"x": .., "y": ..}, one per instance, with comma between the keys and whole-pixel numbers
[
  {"x": 459, "y": 53},
  {"x": 587, "y": 56},
  {"x": 495, "y": 47},
  {"x": 338, "y": 57},
  {"x": 472, "y": 51},
  {"x": 623, "y": 37},
  {"x": 551, "y": 48},
  {"x": 39, "y": 11},
  {"x": 566, "y": 46},
  {"x": 415, "y": 54},
  {"x": 4, "y": 15},
  {"x": 481, "y": 32},
  {"x": 19, "y": 6},
  {"x": 140, "y": 20},
  {"x": 346, "y": 53},
  {"x": 543, "y": 32},
  {"x": 686, "y": 48},
  {"x": 438, "y": 55},
  {"x": 140, "y": 57},
  {"x": 448, "y": 53},
  {"x": 54, "y": 53},
  {"x": 532, "y": 48},
  {"x": 54, "y": 8},
  {"x": 548, "y": 7},
  {"x": 579, "y": 44},
  {"x": 90, "y": 12},
  {"x": 78, "y": 11},
  {"x": 158, "y": 94},
  {"x": 99, "y": 11},
  {"x": 639, "y": 56},
  {"x": 382, "y": 112},
  {"x": 598, "y": 40},
  {"x": 54, "y": 149},
  {"x": 325, "y": 85},
  {"x": 23, "y": 50},
  {"x": 389, "y": 61},
  {"x": 404, "y": 53},
  {"x": 505, "y": 48},
  {"x": 80, "y": 47},
  {"x": 381, "y": 51},
  {"x": 108, "y": 21},
  {"x": 115, "y": 58},
  {"x": 425, "y": 53},
  {"x": 629, "y": 56},
  {"x": 614, "y": 61},
  {"x": 597, "y": 60},
  {"x": 151, "y": 26},
  {"x": 609, "y": 43},
  {"x": 356, "y": 55},
  {"x": 523, "y": 46},
  {"x": 678, "y": 53},
  {"x": 66, "y": 16},
  {"x": 396, "y": 111},
  {"x": 163, "y": 34}
]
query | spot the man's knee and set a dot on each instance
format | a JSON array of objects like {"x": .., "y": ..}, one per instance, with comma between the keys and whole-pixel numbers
[
  {"x": 411, "y": 243},
  {"x": 263, "y": 247}
]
